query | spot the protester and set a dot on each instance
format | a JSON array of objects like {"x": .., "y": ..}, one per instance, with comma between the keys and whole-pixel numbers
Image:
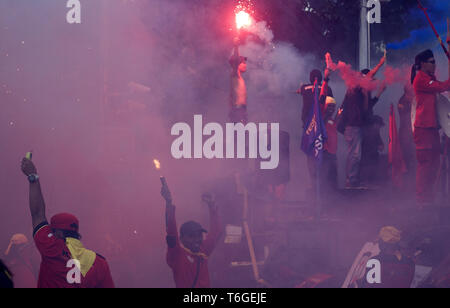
[
  {"x": 357, "y": 111},
  {"x": 20, "y": 258},
  {"x": 238, "y": 97},
  {"x": 397, "y": 270},
  {"x": 188, "y": 253},
  {"x": 307, "y": 92},
  {"x": 426, "y": 126},
  {"x": 59, "y": 243}
]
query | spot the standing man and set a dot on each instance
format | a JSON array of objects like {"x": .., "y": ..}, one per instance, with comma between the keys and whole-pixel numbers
[
  {"x": 357, "y": 108},
  {"x": 426, "y": 126},
  {"x": 238, "y": 97},
  {"x": 65, "y": 262},
  {"x": 187, "y": 254},
  {"x": 307, "y": 92}
]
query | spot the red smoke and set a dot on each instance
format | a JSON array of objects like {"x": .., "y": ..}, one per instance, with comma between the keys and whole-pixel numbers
[{"x": 355, "y": 79}]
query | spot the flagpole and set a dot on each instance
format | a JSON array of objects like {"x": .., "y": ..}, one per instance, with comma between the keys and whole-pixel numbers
[
  {"x": 314, "y": 136},
  {"x": 318, "y": 159},
  {"x": 318, "y": 198}
]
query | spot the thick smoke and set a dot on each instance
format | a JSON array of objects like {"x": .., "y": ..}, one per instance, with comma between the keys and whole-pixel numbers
[{"x": 96, "y": 101}]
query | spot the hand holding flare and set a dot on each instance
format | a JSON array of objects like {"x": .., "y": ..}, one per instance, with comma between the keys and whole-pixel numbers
[{"x": 165, "y": 191}]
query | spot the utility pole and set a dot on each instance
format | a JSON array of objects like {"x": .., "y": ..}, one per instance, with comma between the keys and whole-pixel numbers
[{"x": 364, "y": 38}]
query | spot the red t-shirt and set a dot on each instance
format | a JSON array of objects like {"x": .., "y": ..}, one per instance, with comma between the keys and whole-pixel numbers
[
  {"x": 54, "y": 270},
  {"x": 331, "y": 143},
  {"x": 185, "y": 264},
  {"x": 426, "y": 88}
]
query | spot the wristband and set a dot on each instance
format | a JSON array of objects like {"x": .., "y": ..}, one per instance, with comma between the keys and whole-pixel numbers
[{"x": 33, "y": 178}]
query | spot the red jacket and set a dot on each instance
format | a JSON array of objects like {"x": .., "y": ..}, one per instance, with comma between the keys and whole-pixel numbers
[
  {"x": 426, "y": 88},
  {"x": 54, "y": 270},
  {"x": 184, "y": 263}
]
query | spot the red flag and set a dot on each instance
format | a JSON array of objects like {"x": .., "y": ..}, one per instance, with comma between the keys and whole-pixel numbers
[{"x": 395, "y": 152}]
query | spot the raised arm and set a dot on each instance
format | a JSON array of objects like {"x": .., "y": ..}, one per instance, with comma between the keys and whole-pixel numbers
[
  {"x": 234, "y": 60},
  {"x": 236, "y": 43},
  {"x": 433, "y": 86},
  {"x": 375, "y": 70},
  {"x": 37, "y": 204},
  {"x": 324, "y": 91},
  {"x": 171, "y": 226}
]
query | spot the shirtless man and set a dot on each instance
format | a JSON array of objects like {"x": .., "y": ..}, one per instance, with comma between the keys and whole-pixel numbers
[{"x": 238, "y": 97}]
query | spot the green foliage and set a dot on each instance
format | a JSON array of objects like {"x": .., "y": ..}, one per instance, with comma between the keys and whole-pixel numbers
[{"x": 318, "y": 26}]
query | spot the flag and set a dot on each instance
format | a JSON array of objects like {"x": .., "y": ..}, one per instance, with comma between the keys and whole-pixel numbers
[
  {"x": 395, "y": 152},
  {"x": 314, "y": 134}
]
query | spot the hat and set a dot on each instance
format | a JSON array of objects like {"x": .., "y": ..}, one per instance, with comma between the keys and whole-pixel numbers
[
  {"x": 64, "y": 221},
  {"x": 315, "y": 74},
  {"x": 191, "y": 227},
  {"x": 423, "y": 56},
  {"x": 330, "y": 100},
  {"x": 365, "y": 71},
  {"x": 16, "y": 239},
  {"x": 390, "y": 235}
]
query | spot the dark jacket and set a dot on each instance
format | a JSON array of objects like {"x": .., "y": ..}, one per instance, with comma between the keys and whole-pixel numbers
[
  {"x": 355, "y": 113},
  {"x": 307, "y": 91}
]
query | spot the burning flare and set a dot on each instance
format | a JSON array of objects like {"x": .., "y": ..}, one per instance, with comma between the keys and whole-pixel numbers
[
  {"x": 157, "y": 164},
  {"x": 243, "y": 19}
]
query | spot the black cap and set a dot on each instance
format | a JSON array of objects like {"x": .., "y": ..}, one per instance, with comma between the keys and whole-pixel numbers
[
  {"x": 191, "y": 228},
  {"x": 365, "y": 71},
  {"x": 423, "y": 57},
  {"x": 315, "y": 74}
]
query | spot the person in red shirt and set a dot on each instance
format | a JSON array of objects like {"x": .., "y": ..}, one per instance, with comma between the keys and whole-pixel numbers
[
  {"x": 65, "y": 262},
  {"x": 188, "y": 254},
  {"x": 426, "y": 127}
]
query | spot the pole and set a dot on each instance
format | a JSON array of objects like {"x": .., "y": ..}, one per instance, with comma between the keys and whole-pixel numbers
[
  {"x": 364, "y": 39},
  {"x": 434, "y": 29}
]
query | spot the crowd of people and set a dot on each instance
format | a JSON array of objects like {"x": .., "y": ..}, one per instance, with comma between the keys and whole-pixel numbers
[
  {"x": 361, "y": 128},
  {"x": 65, "y": 262}
]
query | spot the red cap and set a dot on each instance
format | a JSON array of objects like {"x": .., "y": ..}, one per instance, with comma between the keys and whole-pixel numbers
[{"x": 64, "y": 221}]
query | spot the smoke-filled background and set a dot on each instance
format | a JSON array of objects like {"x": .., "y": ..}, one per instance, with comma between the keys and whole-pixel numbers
[{"x": 95, "y": 103}]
